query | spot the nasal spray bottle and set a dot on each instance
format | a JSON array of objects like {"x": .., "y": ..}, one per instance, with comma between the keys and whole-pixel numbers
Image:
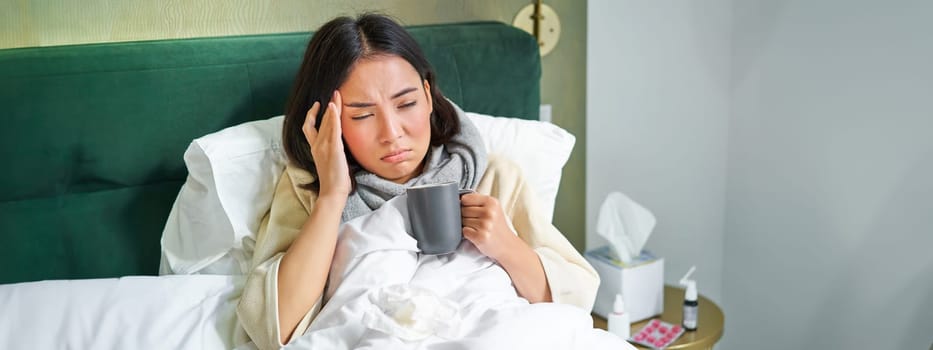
[
  {"x": 691, "y": 306},
  {"x": 618, "y": 321}
]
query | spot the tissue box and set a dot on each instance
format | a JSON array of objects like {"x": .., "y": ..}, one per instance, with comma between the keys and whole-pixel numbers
[{"x": 641, "y": 283}]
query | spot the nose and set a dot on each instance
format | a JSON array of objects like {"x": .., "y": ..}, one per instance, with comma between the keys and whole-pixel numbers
[{"x": 390, "y": 128}]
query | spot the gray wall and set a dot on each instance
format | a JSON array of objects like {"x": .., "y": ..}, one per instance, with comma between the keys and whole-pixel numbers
[
  {"x": 657, "y": 124},
  {"x": 829, "y": 214},
  {"x": 811, "y": 185}
]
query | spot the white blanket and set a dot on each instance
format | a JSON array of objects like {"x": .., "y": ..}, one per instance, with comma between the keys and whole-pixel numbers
[
  {"x": 458, "y": 301},
  {"x": 383, "y": 294},
  {"x": 166, "y": 312}
]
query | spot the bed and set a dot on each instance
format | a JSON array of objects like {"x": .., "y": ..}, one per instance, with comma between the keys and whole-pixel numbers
[{"x": 97, "y": 143}]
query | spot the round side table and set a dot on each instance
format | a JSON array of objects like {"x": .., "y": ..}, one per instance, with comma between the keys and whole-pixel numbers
[{"x": 709, "y": 325}]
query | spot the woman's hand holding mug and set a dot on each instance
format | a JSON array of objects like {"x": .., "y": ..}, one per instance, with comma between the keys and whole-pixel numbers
[{"x": 484, "y": 224}]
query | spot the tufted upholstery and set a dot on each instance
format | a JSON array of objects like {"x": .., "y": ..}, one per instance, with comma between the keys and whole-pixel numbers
[{"x": 92, "y": 136}]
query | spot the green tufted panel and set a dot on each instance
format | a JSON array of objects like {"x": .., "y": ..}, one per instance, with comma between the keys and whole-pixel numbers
[{"x": 92, "y": 136}]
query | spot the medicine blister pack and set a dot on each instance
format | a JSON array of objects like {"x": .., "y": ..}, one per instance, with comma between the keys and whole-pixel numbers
[{"x": 657, "y": 334}]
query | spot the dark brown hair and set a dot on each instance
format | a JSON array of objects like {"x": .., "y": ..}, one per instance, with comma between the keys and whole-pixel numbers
[{"x": 331, "y": 53}]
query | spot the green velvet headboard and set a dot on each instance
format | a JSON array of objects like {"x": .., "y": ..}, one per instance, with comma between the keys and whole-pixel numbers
[{"x": 92, "y": 136}]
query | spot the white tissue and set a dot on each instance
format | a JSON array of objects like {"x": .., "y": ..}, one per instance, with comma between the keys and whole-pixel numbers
[
  {"x": 412, "y": 313},
  {"x": 625, "y": 224}
]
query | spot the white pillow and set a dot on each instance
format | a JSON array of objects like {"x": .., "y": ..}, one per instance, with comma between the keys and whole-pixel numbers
[
  {"x": 232, "y": 175},
  {"x": 540, "y": 149}
]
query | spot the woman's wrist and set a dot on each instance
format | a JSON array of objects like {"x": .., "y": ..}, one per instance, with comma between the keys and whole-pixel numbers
[
  {"x": 524, "y": 267},
  {"x": 331, "y": 200},
  {"x": 513, "y": 250}
]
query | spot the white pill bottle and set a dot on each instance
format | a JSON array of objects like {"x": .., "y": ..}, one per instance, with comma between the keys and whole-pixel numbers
[{"x": 618, "y": 320}]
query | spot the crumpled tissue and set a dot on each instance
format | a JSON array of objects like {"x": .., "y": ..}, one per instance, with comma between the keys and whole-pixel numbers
[
  {"x": 625, "y": 224},
  {"x": 412, "y": 313}
]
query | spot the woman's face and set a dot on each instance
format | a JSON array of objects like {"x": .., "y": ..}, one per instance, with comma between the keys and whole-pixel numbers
[{"x": 386, "y": 117}]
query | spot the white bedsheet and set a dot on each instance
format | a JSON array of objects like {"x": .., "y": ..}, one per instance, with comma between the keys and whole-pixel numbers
[
  {"x": 144, "y": 312},
  {"x": 374, "y": 254}
]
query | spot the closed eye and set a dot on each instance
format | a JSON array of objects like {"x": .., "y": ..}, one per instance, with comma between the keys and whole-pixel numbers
[
  {"x": 409, "y": 104},
  {"x": 361, "y": 117}
]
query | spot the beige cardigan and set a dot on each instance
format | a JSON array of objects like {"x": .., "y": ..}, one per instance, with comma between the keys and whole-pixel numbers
[{"x": 571, "y": 279}]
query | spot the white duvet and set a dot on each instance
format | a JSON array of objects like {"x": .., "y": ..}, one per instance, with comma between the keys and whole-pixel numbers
[
  {"x": 462, "y": 300},
  {"x": 165, "y": 312},
  {"x": 382, "y": 295}
]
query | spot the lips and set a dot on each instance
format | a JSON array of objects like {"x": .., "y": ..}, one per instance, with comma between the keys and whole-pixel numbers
[{"x": 396, "y": 156}]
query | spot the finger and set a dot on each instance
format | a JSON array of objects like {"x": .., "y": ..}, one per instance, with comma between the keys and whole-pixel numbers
[
  {"x": 468, "y": 222},
  {"x": 474, "y": 235},
  {"x": 308, "y": 126},
  {"x": 311, "y": 116},
  {"x": 469, "y": 233},
  {"x": 473, "y": 212},
  {"x": 337, "y": 100},
  {"x": 326, "y": 120},
  {"x": 472, "y": 199},
  {"x": 331, "y": 122},
  {"x": 476, "y": 224}
]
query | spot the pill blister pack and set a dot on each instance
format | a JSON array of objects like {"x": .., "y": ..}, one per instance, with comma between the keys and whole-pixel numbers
[{"x": 657, "y": 334}]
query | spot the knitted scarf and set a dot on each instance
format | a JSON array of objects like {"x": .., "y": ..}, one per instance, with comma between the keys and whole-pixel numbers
[{"x": 462, "y": 159}]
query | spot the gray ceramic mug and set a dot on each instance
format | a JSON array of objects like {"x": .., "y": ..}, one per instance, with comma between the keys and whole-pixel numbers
[{"x": 434, "y": 212}]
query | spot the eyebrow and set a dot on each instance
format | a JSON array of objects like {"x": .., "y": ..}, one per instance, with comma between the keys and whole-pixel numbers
[{"x": 370, "y": 104}]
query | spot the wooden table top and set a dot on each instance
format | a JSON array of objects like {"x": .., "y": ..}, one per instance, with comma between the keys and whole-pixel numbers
[{"x": 709, "y": 323}]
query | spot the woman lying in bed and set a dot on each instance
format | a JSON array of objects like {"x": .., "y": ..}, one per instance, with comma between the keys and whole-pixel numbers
[{"x": 365, "y": 120}]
